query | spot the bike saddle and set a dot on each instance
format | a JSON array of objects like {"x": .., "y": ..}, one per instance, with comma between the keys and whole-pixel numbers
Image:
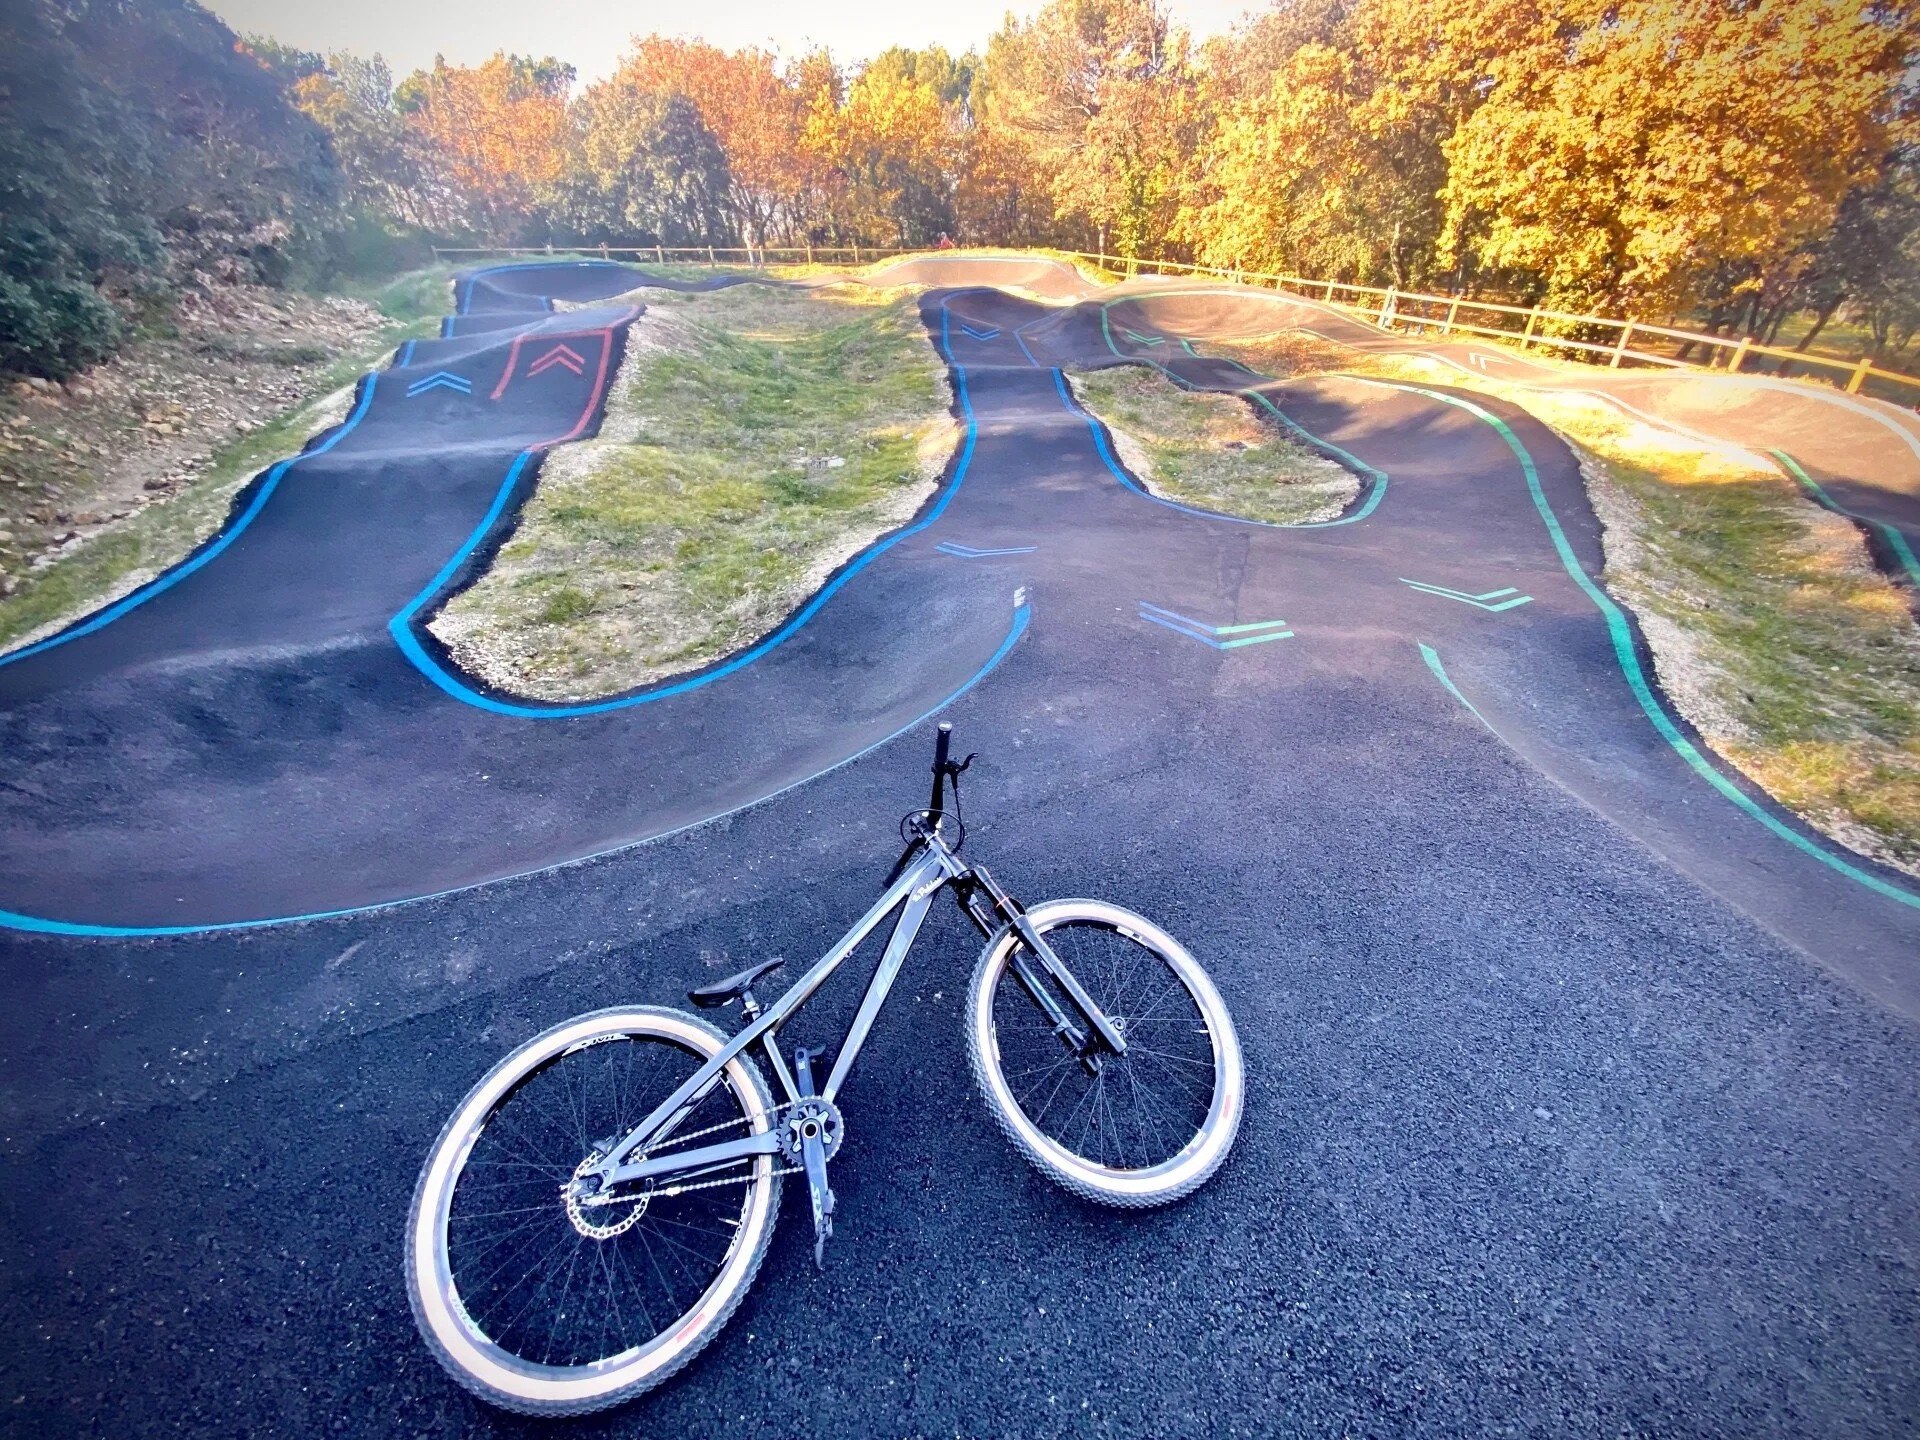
[{"x": 725, "y": 992}]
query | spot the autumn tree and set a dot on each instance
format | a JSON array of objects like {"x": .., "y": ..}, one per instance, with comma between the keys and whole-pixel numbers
[
  {"x": 642, "y": 167},
  {"x": 890, "y": 150},
  {"x": 501, "y": 127},
  {"x": 1625, "y": 155},
  {"x": 754, "y": 113},
  {"x": 1102, "y": 94}
]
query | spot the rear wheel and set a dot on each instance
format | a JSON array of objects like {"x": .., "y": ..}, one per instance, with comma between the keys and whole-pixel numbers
[
  {"x": 1144, "y": 1128},
  {"x": 543, "y": 1304}
]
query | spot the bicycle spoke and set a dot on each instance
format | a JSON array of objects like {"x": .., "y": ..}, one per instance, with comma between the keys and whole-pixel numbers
[
  {"x": 1143, "y": 1107},
  {"x": 570, "y": 1288}
]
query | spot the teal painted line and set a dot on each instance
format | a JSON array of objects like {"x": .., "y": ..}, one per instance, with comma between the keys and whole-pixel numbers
[
  {"x": 169, "y": 578},
  {"x": 1351, "y": 461},
  {"x": 1210, "y": 629},
  {"x": 1479, "y": 601},
  {"x": 1439, "y": 670},
  {"x": 1896, "y": 542},
  {"x": 11, "y": 920},
  {"x": 1138, "y": 338},
  {"x": 1378, "y": 477},
  {"x": 1208, "y": 634},
  {"x": 1256, "y": 640},
  {"x": 1621, "y": 635},
  {"x": 401, "y": 626}
]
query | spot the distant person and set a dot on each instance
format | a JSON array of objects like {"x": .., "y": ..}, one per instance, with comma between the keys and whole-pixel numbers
[{"x": 945, "y": 242}]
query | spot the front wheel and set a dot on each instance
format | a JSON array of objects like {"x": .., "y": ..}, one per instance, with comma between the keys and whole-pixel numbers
[
  {"x": 543, "y": 1303},
  {"x": 1142, "y": 1128}
]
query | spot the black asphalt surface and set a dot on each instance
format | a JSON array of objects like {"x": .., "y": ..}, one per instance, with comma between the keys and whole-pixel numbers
[{"x": 1581, "y": 1091}]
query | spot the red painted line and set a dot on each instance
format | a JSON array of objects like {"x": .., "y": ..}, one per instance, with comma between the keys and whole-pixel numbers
[
  {"x": 599, "y": 383},
  {"x": 604, "y": 336}
]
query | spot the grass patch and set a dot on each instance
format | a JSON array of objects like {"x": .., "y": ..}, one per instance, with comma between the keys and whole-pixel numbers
[
  {"x": 1210, "y": 450},
  {"x": 1771, "y": 629},
  {"x": 127, "y": 554},
  {"x": 755, "y": 439}
]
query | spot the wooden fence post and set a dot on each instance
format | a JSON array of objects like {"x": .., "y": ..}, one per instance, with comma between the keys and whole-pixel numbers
[
  {"x": 1453, "y": 309},
  {"x": 710, "y": 259},
  {"x": 1526, "y": 336},
  {"x": 856, "y": 252},
  {"x": 1386, "y": 307},
  {"x": 809, "y": 250},
  {"x": 1859, "y": 376},
  {"x": 1329, "y": 292},
  {"x": 1626, "y": 333},
  {"x": 1739, "y": 355}
]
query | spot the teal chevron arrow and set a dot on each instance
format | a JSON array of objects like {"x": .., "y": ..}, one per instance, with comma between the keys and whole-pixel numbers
[
  {"x": 1495, "y": 600},
  {"x": 1220, "y": 637}
]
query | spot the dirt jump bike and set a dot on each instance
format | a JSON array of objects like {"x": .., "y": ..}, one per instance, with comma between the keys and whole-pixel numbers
[{"x": 599, "y": 1203}]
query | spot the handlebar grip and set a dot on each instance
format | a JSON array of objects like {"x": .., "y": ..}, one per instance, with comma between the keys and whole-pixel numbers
[{"x": 943, "y": 742}]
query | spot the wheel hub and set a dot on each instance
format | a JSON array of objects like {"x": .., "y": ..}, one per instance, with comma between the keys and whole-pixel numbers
[{"x": 597, "y": 1217}]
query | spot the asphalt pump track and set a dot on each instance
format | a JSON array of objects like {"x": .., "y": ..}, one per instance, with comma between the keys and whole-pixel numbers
[
  {"x": 1581, "y": 1072},
  {"x": 269, "y": 731}
]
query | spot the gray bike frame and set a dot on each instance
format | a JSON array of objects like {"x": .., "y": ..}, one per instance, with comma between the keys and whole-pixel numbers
[{"x": 913, "y": 892}]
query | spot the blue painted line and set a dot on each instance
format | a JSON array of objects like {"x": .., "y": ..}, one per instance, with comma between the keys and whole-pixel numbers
[
  {"x": 405, "y": 357},
  {"x": 1621, "y": 634},
  {"x": 1896, "y": 542},
  {"x": 1377, "y": 477},
  {"x": 400, "y": 627},
  {"x": 1020, "y": 339},
  {"x": 13, "y": 920},
  {"x": 967, "y": 552},
  {"x": 446, "y": 327},
  {"x": 1482, "y": 602},
  {"x": 1433, "y": 664},
  {"x": 1207, "y": 639},
  {"x": 440, "y": 380},
  {"x": 1216, "y": 635},
  {"x": 988, "y": 334},
  {"x": 1210, "y": 629},
  {"x": 167, "y": 579}
]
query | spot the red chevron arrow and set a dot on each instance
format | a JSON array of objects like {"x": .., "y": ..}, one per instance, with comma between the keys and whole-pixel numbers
[{"x": 559, "y": 355}]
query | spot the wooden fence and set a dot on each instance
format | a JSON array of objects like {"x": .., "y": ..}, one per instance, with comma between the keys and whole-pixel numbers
[{"x": 1618, "y": 341}]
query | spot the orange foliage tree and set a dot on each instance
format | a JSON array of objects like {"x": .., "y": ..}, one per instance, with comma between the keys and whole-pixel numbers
[{"x": 501, "y": 126}]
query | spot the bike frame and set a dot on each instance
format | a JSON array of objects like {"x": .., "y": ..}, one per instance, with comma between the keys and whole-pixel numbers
[{"x": 930, "y": 865}]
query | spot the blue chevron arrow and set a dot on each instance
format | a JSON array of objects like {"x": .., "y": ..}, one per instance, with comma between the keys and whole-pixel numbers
[
  {"x": 1220, "y": 637},
  {"x": 987, "y": 334},
  {"x": 967, "y": 552},
  {"x": 440, "y": 380},
  {"x": 1484, "y": 602}
]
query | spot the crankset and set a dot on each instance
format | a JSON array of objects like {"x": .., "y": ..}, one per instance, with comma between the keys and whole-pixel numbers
[{"x": 810, "y": 1135}]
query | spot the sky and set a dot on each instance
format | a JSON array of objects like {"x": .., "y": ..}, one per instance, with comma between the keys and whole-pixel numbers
[{"x": 591, "y": 34}]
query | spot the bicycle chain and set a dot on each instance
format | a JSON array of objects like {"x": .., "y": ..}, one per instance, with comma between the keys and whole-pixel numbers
[{"x": 673, "y": 1190}]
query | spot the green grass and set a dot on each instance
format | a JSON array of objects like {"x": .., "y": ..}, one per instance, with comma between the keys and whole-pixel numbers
[
  {"x": 1211, "y": 451},
  {"x": 128, "y": 553},
  {"x": 709, "y": 507}
]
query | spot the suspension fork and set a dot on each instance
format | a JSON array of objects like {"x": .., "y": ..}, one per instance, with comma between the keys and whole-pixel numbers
[{"x": 1032, "y": 952}]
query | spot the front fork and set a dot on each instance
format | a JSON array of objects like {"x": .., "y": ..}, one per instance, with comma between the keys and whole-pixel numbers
[{"x": 1034, "y": 959}]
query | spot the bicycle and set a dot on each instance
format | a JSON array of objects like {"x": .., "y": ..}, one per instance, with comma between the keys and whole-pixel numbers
[{"x": 597, "y": 1206}]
